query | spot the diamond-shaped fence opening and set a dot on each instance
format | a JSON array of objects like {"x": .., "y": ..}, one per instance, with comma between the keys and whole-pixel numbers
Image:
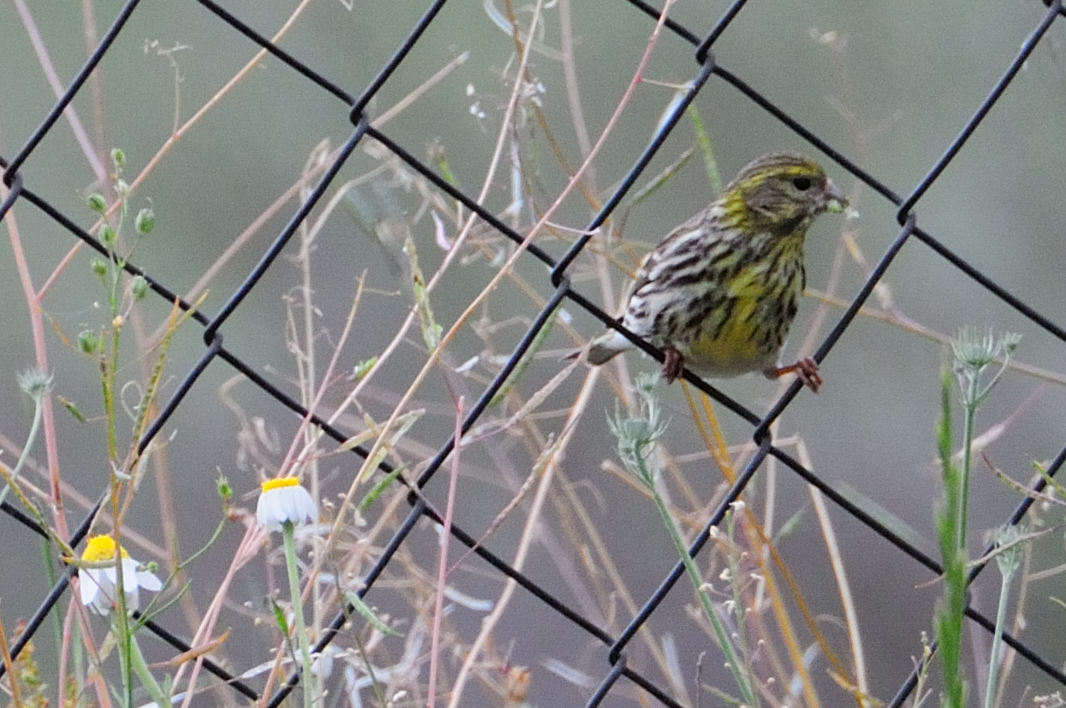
[{"x": 400, "y": 245}]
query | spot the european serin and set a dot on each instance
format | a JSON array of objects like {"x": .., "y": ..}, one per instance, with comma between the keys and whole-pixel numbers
[{"x": 718, "y": 295}]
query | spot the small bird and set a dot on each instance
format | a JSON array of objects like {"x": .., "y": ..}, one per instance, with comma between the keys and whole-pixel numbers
[{"x": 719, "y": 294}]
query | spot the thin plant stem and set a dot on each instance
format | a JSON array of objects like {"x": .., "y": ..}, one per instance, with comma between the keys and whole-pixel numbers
[
  {"x": 40, "y": 348},
  {"x": 442, "y": 568},
  {"x": 736, "y": 667},
  {"x": 972, "y": 352},
  {"x": 38, "y": 412},
  {"x": 847, "y": 600},
  {"x": 140, "y": 667},
  {"x": 288, "y": 534},
  {"x": 121, "y": 626},
  {"x": 768, "y": 558},
  {"x": 637, "y": 436},
  {"x": 997, "y": 641},
  {"x": 1008, "y": 560},
  {"x": 526, "y": 541},
  {"x": 9, "y": 668},
  {"x": 949, "y": 612},
  {"x": 970, "y": 402}
]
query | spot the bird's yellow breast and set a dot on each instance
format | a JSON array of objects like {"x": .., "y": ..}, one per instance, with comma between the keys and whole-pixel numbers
[
  {"x": 734, "y": 347},
  {"x": 748, "y": 335}
]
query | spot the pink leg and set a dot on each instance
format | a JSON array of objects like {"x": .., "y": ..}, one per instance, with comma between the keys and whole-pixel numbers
[
  {"x": 673, "y": 362},
  {"x": 806, "y": 370}
]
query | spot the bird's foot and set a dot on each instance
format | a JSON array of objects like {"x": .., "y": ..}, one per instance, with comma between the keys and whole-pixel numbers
[
  {"x": 806, "y": 370},
  {"x": 673, "y": 363}
]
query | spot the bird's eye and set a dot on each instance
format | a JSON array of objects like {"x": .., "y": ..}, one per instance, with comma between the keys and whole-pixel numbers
[{"x": 801, "y": 183}]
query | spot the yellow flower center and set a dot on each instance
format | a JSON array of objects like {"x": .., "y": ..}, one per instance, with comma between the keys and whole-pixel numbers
[
  {"x": 101, "y": 548},
  {"x": 279, "y": 483}
]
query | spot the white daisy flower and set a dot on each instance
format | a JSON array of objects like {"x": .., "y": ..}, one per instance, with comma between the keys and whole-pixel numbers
[
  {"x": 97, "y": 586},
  {"x": 284, "y": 500}
]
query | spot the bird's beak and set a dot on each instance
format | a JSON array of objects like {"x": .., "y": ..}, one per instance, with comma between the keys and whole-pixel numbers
[{"x": 835, "y": 201}]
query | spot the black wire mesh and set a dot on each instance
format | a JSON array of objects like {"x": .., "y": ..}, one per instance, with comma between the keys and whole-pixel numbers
[{"x": 706, "y": 69}]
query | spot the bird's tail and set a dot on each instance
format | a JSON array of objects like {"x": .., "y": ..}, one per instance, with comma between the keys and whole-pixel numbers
[{"x": 606, "y": 347}]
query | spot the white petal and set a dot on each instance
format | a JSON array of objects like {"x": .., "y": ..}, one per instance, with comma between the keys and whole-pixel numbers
[
  {"x": 305, "y": 506},
  {"x": 88, "y": 585},
  {"x": 96, "y": 590},
  {"x": 133, "y": 600},
  {"x": 288, "y": 506},
  {"x": 149, "y": 581},
  {"x": 271, "y": 510},
  {"x": 276, "y": 506},
  {"x": 264, "y": 511},
  {"x": 101, "y": 605},
  {"x": 129, "y": 574}
]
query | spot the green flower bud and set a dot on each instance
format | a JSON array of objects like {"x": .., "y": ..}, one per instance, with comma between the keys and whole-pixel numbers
[
  {"x": 107, "y": 236},
  {"x": 138, "y": 287},
  {"x": 144, "y": 221},
  {"x": 88, "y": 342},
  {"x": 118, "y": 158},
  {"x": 97, "y": 203},
  {"x": 99, "y": 266},
  {"x": 363, "y": 368},
  {"x": 225, "y": 490}
]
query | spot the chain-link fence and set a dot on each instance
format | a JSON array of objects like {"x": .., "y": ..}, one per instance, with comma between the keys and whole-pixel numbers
[{"x": 616, "y": 669}]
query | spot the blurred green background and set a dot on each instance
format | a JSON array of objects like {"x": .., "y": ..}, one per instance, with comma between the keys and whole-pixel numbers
[{"x": 887, "y": 84}]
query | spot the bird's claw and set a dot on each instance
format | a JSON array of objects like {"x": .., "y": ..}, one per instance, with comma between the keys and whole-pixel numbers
[
  {"x": 673, "y": 364},
  {"x": 806, "y": 370}
]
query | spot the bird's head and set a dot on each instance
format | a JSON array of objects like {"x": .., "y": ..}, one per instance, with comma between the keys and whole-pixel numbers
[{"x": 782, "y": 193}]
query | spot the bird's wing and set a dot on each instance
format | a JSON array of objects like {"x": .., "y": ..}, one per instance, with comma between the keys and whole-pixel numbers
[{"x": 685, "y": 237}]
